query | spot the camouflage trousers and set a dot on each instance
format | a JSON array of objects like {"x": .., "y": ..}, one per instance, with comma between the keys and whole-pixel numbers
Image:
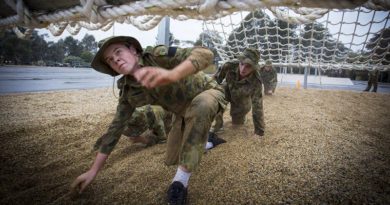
[
  {"x": 188, "y": 135},
  {"x": 238, "y": 118},
  {"x": 218, "y": 122},
  {"x": 238, "y": 114},
  {"x": 372, "y": 84},
  {"x": 269, "y": 86}
]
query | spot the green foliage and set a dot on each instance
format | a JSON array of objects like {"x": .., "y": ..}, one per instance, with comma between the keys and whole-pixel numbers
[
  {"x": 378, "y": 44},
  {"x": 56, "y": 51},
  {"x": 14, "y": 50},
  {"x": 38, "y": 51},
  {"x": 72, "y": 46},
  {"x": 89, "y": 43},
  {"x": 87, "y": 56}
]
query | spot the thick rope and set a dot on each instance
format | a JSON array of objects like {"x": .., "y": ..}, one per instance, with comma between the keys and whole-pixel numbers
[
  {"x": 320, "y": 49},
  {"x": 146, "y": 14},
  {"x": 99, "y": 12}
]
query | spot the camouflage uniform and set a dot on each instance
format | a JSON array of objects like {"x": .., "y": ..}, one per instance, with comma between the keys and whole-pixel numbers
[
  {"x": 269, "y": 78},
  {"x": 194, "y": 101},
  {"x": 242, "y": 94},
  {"x": 151, "y": 122},
  {"x": 372, "y": 80}
]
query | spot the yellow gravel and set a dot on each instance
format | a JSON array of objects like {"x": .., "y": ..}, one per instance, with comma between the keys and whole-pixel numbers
[{"x": 330, "y": 147}]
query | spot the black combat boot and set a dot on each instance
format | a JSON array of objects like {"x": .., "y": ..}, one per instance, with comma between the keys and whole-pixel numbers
[
  {"x": 375, "y": 87},
  {"x": 214, "y": 139},
  {"x": 177, "y": 194},
  {"x": 368, "y": 87}
]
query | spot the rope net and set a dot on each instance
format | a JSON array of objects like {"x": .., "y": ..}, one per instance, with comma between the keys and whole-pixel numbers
[
  {"x": 289, "y": 32},
  {"x": 356, "y": 39}
]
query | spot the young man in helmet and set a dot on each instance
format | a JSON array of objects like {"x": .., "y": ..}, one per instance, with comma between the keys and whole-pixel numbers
[
  {"x": 243, "y": 89},
  {"x": 269, "y": 77},
  {"x": 163, "y": 76}
]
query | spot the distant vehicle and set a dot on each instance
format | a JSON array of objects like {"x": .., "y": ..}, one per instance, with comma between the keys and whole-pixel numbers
[
  {"x": 57, "y": 64},
  {"x": 66, "y": 65}
]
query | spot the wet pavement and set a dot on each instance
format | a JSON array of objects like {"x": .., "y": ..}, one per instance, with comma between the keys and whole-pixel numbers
[
  {"x": 19, "y": 79},
  {"x": 328, "y": 83}
]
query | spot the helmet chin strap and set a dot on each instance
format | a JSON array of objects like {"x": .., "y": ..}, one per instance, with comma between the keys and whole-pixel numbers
[{"x": 113, "y": 88}]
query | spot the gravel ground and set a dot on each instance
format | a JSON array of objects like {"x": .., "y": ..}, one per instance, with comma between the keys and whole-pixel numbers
[{"x": 320, "y": 147}]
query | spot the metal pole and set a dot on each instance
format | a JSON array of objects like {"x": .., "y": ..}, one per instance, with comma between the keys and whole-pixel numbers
[
  {"x": 305, "y": 78},
  {"x": 163, "y": 32}
]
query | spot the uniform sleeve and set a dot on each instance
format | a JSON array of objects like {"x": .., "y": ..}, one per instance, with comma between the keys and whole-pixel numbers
[
  {"x": 201, "y": 58},
  {"x": 274, "y": 76},
  {"x": 170, "y": 57},
  {"x": 261, "y": 73},
  {"x": 221, "y": 73},
  {"x": 106, "y": 143},
  {"x": 257, "y": 109},
  {"x": 227, "y": 92}
]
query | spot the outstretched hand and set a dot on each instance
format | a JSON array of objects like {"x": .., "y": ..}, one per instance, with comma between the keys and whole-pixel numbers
[
  {"x": 82, "y": 181},
  {"x": 151, "y": 77}
]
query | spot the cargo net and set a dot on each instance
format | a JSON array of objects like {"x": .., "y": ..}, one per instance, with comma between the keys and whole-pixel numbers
[
  {"x": 357, "y": 39},
  {"x": 348, "y": 34}
]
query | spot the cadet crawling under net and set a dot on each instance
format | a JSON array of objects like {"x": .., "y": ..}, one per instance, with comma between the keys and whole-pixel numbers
[
  {"x": 269, "y": 77},
  {"x": 163, "y": 76},
  {"x": 243, "y": 89}
]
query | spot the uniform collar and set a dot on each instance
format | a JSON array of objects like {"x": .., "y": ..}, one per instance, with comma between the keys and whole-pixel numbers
[{"x": 141, "y": 61}]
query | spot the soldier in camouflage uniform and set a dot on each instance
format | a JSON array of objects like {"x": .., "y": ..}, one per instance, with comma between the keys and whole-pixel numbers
[
  {"x": 269, "y": 78},
  {"x": 372, "y": 80},
  {"x": 163, "y": 76},
  {"x": 148, "y": 125},
  {"x": 243, "y": 89}
]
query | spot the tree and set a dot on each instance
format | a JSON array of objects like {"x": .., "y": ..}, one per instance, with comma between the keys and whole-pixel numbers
[
  {"x": 72, "y": 47},
  {"x": 317, "y": 42},
  {"x": 257, "y": 30},
  {"x": 378, "y": 46},
  {"x": 252, "y": 31},
  {"x": 210, "y": 39},
  {"x": 14, "y": 50},
  {"x": 286, "y": 36},
  {"x": 38, "y": 47},
  {"x": 56, "y": 51},
  {"x": 88, "y": 43},
  {"x": 87, "y": 56}
]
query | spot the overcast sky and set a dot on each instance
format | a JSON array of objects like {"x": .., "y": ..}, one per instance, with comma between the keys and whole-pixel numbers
[{"x": 182, "y": 30}]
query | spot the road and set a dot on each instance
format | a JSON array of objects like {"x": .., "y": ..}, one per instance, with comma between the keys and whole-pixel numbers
[
  {"x": 19, "y": 79},
  {"x": 328, "y": 83}
]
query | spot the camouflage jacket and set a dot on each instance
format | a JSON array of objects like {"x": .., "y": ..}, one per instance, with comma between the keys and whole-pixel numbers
[
  {"x": 246, "y": 92},
  {"x": 174, "y": 97},
  {"x": 268, "y": 77}
]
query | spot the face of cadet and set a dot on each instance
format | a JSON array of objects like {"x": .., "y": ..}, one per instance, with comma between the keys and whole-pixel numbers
[
  {"x": 121, "y": 58},
  {"x": 267, "y": 68},
  {"x": 245, "y": 69}
]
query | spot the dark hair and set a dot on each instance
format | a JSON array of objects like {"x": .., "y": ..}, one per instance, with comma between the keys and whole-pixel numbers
[{"x": 129, "y": 45}]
